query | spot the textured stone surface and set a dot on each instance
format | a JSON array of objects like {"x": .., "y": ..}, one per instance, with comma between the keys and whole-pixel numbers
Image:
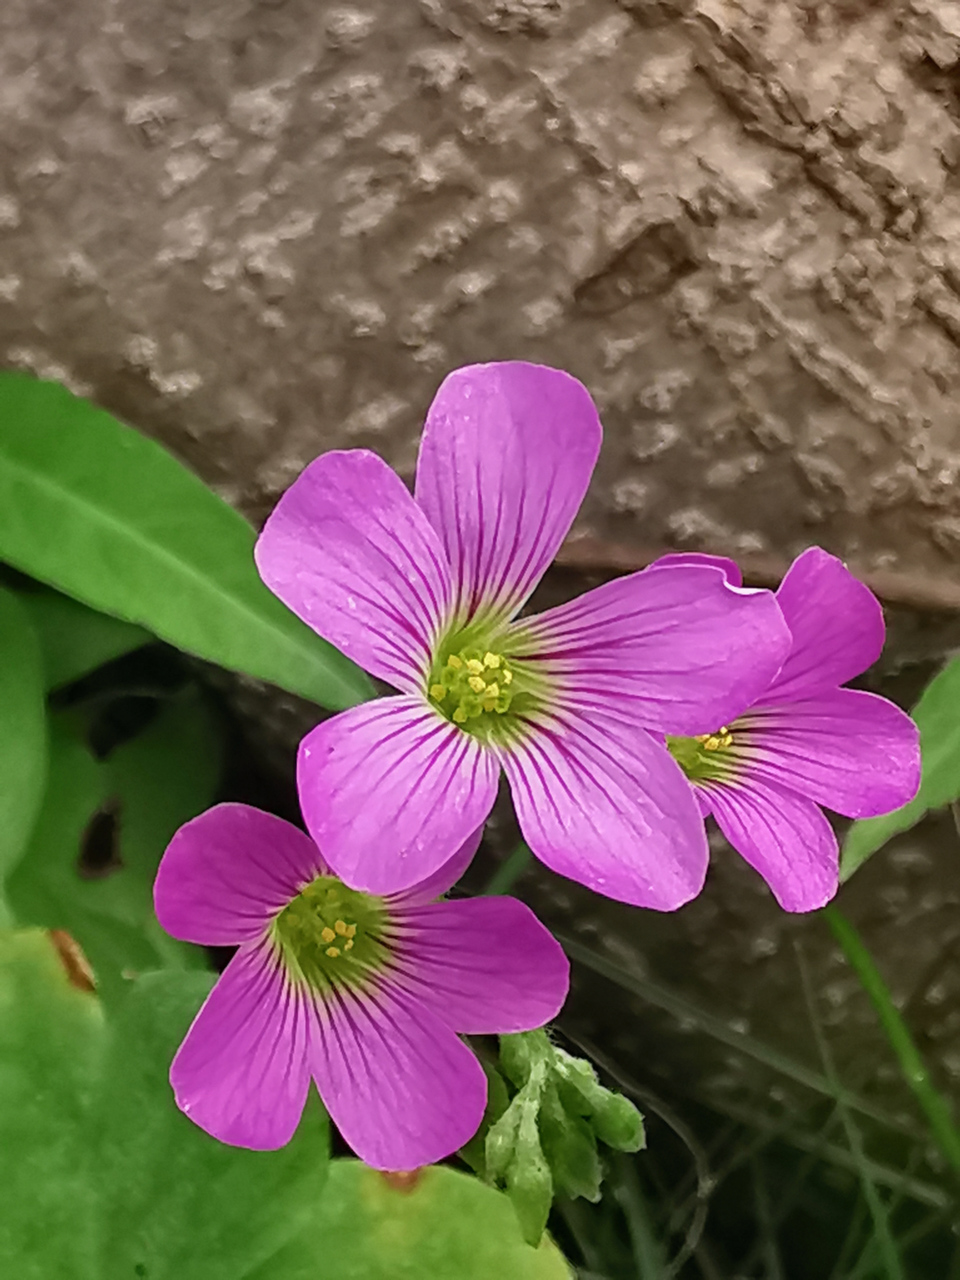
[{"x": 261, "y": 228}]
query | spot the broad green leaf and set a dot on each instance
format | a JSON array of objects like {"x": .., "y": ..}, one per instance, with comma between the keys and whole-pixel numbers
[
  {"x": 23, "y": 729},
  {"x": 50, "y": 1049},
  {"x": 447, "y": 1224},
  {"x": 938, "y": 718},
  {"x": 103, "y": 1178},
  {"x": 109, "y": 517},
  {"x": 151, "y": 786},
  {"x": 75, "y": 640}
]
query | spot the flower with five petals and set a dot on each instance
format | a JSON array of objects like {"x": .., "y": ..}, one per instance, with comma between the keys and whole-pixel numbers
[{"x": 423, "y": 591}]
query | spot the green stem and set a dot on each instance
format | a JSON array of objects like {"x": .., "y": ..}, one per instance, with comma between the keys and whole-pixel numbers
[
  {"x": 509, "y": 871},
  {"x": 934, "y": 1105}
]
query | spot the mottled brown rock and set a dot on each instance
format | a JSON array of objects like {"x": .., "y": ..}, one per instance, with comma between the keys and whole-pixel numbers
[{"x": 258, "y": 230}]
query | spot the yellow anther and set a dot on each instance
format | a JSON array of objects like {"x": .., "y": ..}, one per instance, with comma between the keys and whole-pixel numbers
[
  {"x": 460, "y": 715},
  {"x": 347, "y": 946},
  {"x": 491, "y": 659},
  {"x": 351, "y": 930},
  {"x": 507, "y": 676},
  {"x": 489, "y": 706},
  {"x": 438, "y": 692},
  {"x": 333, "y": 952},
  {"x": 341, "y": 927},
  {"x": 493, "y": 690},
  {"x": 474, "y": 666},
  {"x": 477, "y": 684},
  {"x": 454, "y": 663},
  {"x": 327, "y": 935},
  {"x": 711, "y": 743}
]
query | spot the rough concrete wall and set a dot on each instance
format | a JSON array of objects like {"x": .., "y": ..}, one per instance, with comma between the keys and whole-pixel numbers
[{"x": 262, "y": 228}]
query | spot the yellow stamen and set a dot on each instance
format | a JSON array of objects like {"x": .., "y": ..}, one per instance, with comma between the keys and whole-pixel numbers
[
  {"x": 491, "y": 659},
  {"x": 714, "y": 741},
  {"x": 493, "y": 690},
  {"x": 351, "y": 930},
  {"x": 474, "y": 666},
  {"x": 477, "y": 684},
  {"x": 333, "y": 952},
  {"x": 460, "y": 715},
  {"x": 341, "y": 927},
  {"x": 327, "y": 935},
  {"x": 347, "y": 945},
  {"x": 438, "y": 692},
  {"x": 507, "y": 676},
  {"x": 454, "y": 663}
]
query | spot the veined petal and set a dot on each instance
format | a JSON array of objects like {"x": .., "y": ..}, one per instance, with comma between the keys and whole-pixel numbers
[
  {"x": 445, "y": 878},
  {"x": 505, "y": 459},
  {"x": 677, "y": 648},
  {"x": 401, "y": 1088},
  {"x": 836, "y": 623},
  {"x": 350, "y": 552},
  {"x": 783, "y": 836},
  {"x": 729, "y": 568},
  {"x": 241, "y": 1074},
  {"x": 391, "y": 791},
  {"x": 600, "y": 802},
  {"x": 855, "y": 753},
  {"x": 483, "y": 965},
  {"x": 227, "y": 873}
]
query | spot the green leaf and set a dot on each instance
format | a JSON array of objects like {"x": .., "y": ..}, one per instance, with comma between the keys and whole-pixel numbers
[
  {"x": 447, "y": 1225},
  {"x": 23, "y": 729},
  {"x": 75, "y": 640},
  {"x": 149, "y": 787},
  {"x": 103, "y": 1178},
  {"x": 938, "y": 718},
  {"x": 109, "y": 517},
  {"x": 50, "y": 1048}
]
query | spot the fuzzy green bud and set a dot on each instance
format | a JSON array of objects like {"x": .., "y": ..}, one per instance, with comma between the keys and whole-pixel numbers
[
  {"x": 571, "y": 1149},
  {"x": 528, "y": 1178},
  {"x": 612, "y": 1117}
]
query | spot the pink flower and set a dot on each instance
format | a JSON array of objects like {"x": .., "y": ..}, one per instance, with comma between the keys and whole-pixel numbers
[
  {"x": 367, "y": 996},
  {"x": 806, "y": 742},
  {"x": 422, "y": 592}
]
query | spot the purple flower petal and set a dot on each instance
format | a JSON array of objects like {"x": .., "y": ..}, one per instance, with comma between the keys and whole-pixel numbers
[
  {"x": 855, "y": 753},
  {"x": 350, "y": 552},
  {"x": 241, "y": 1074},
  {"x": 398, "y": 1084},
  {"x": 226, "y": 873},
  {"x": 505, "y": 459},
  {"x": 783, "y": 836},
  {"x": 391, "y": 791},
  {"x": 836, "y": 623},
  {"x": 445, "y": 878},
  {"x": 600, "y": 802},
  {"x": 483, "y": 965},
  {"x": 729, "y": 568},
  {"x": 676, "y": 648}
]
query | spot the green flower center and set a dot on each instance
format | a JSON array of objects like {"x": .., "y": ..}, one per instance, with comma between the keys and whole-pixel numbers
[
  {"x": 705, "y": 757},
  {"x": 330, "y": 935},
  {"x": 472, "y": 683}
]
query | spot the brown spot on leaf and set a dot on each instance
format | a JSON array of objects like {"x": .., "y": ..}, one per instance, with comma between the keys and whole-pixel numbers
[
  {"x": 403, "y": 1182},
  {"x": 79, "y": 973},
  {"x": 100, "y": 842}
]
